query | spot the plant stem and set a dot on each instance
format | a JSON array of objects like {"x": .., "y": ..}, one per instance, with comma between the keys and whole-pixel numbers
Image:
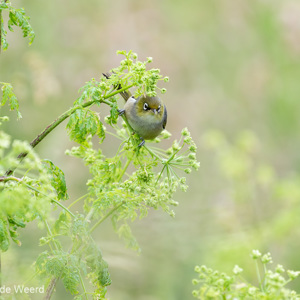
[
  {"x": 106, "y": 216},
  {"x": 152, "y": 153},
  {"x": 83, "y": 286},
  {"x": 124, "y": 170},
  {"x": 258, "y": 275},
  {"x": 0, "y": 272},
  {"x": 53, "y": 200},
  {"x": 63, "y": 117},
  {"x": 77, "y": 200},
  {"x": 50, "y": 288}
]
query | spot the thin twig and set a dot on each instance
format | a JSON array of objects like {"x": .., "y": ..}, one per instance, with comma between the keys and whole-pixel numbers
[
  {"x": 50, "y": 288},
  {"x": 106, "y": 216},
  {"x": 63, "y": 117}
]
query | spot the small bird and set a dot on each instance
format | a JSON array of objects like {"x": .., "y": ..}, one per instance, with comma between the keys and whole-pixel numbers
[{"x": 146, "y": 115}]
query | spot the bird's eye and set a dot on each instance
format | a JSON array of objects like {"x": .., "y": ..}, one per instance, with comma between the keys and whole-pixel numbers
[
  {"x": 146, "y": 106},
  {"x": 158, "y": 109}
]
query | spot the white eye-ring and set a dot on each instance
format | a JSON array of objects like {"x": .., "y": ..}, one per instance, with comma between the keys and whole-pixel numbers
[
  {"x": 158, "y": 109},
  {"x": 146, "y": 106}
]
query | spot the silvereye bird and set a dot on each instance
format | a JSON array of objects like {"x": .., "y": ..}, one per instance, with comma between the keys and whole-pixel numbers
[{"x": 146, "y": 115}]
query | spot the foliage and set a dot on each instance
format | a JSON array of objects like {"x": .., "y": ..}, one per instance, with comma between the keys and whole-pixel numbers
[
  {"x": 9, "y": 96},
  {"x": 113, "y": 192},
  {"x": 16, "y": 17},
  {"x": 271, "y": 284},
  {"x": 25, "y": 199},
  {"x": 32, "y": 188}
]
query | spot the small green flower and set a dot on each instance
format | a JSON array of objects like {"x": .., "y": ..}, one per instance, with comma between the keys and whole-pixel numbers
[
  {"x": 293, "y": 274},
  {"x": 185, "y": 132},
  {"x": 237, "y": 270},
  {"x": 279, "y": 269},
  {"x": 187, "y": 170},
  {"x": 255, "y": 254},
  {"x": 266, "y": 258},
  {"x": 193, "y": 148}
]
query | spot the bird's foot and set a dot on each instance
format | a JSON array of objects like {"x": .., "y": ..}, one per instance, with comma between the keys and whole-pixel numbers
[
  {"x": 121, "y": 112},
  {"x": 142, "y": 143}
]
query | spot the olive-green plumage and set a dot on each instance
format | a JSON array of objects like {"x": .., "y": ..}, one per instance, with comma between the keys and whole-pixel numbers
[{"x": 146, "y": 115}]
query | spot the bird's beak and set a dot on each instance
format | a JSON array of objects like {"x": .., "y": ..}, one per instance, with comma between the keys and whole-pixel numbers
[{"x": 154, "y": 110}]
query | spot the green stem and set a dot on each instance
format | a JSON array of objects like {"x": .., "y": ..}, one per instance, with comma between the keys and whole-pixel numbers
[
  {"x": 0, "y": 47},
  {"x": 258, "y": 275},
  {"x": 77, "y": 200},
  {"x": 152, "y": 153},
  {"x": 89, "y": 215},
  {"x": 83, "y": 286},
  {"x": 124, "y": 170},
  {"x": 106, "y": 216},
  {"x": 63, "y": 117},
  {"x": 53, "y": 200},
  {"x": 50, "y": 234}
]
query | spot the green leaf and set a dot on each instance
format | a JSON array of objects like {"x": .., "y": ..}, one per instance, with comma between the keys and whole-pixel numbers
[
  {"x": 83, "y": 123},
  {"x": 17, "y": 17},
  {"x": 4, "y": 240},
  {"x": 62, "y": 224},
  {"x": 9, "y": 96},
  {"x": 57, "y": 180},
  {"x": 98, "y": 266},
  {"x": 125, "y": 232},
  {"x": 114, "y": 114}
]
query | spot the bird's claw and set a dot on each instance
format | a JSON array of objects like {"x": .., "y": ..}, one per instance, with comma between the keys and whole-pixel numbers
[
  {"x": 142, "y": 143},
  {"x": 121, "y": 112}
]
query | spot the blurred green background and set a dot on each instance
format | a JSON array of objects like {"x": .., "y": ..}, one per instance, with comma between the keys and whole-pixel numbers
[{"x": 234, "y": 69}]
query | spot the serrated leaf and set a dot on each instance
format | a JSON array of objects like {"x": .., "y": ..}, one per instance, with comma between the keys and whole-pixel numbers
[
  {"x": 83, "y": 123},
  {"x": 98, "y": 266},
  {"x": 9, "y": 96},
  {"x": 17, "y": 17},
  {"x": 125, "y": 232},
  {"x": 62, "y": 224},
  {"x": 58, "y": 180},
  {"x": 4, "y": 240},
  {"x": 114, "y": 114}
]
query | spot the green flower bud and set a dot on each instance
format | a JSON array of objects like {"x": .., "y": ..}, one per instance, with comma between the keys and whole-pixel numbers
[
  {"x": 193, "y": 148},
  {"x": 185, "y": 132},
  {"x": 195, "y": 165},
  {"x": 195, "y": 293},
  {"x": 166, "y": 134},
  {"x": 266, "y": 258},
  {"x": 182, "y": 180},
  {"x": 175, "y": 146},
  {"x": 102, "y": 85},
  {"x": 237, "y": 270},
  {"x": 293, "y": 274},
  {"x": 187, "y": 140},
  {"x": 255, "y": 254},
  {"x": 279, "y": 269},
  {"x": 149, "y": 59},
  {"x": 184, "y": 187},
  {"x": 252, "y": 291},
  {"x": 192, "y": 156}
]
